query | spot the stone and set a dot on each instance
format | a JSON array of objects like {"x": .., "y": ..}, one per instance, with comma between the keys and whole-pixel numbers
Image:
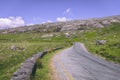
[
  {"x": 100, "y": 42},
  {"x": 13, "y": 47},
  {"x": 67, "y": 35}
]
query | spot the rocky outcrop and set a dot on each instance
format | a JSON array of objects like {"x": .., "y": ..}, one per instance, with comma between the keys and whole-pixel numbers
[
  {"x": 26, "y": 69},
  {"x": 100, "y": 42},
  {"x": 66, "y": 26}
]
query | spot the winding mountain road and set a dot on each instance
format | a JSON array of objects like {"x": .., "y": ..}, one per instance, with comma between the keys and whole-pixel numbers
[{"x": 76, "y": 63}]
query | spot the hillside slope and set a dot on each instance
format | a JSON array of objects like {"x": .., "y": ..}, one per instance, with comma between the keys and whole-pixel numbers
[{"x": 74, "y": 25}]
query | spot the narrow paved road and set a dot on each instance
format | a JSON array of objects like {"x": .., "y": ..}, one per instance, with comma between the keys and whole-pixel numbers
[{"x": 76, "y": 63}]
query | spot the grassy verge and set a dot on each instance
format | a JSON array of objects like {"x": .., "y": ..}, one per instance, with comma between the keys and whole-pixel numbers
[{"x": 43, "y": 67}]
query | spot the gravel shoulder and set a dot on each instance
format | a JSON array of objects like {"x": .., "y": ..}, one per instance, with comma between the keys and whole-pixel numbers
[{"x": 76, "y": 63}]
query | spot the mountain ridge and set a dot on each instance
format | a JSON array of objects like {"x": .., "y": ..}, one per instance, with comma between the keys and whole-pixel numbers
[{"x": 72, "y": 25}]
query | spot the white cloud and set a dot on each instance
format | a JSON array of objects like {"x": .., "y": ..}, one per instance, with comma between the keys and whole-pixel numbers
[
  {"x": 67, "y": 11},
  {"x": 49, "y": 21},
  {"x": 61, "y": 19},
  {"x": 11, "y": 22},
  {"x": 43, "y": 22},
  {"x": 29, "y": 24}
]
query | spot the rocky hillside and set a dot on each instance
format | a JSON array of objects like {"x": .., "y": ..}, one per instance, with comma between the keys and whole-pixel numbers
[{"x": 65, "y": 26}]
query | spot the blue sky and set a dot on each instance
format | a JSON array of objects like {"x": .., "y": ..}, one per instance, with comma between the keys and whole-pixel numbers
[{"x": 39, "y": 11}]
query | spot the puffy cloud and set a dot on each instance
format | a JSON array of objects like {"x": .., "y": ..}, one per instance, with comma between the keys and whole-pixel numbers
[
  {"x": 43, "y": 22},
  {"x": 61, "y": 19},
  {"x": 11, "y": 22},
  {"x": 49, "y": 21}
]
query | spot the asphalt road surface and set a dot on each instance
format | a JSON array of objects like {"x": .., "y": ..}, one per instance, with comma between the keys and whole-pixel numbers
[{"x": 76, "y": 63}]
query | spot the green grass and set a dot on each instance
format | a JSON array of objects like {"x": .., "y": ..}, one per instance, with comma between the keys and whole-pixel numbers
[
  {"x": 43, "y": 71},
  {"x": 11, "y": 60},
  {"x": 111, "y": 50}
]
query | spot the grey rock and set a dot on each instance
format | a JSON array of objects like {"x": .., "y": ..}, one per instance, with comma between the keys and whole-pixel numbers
[
  {"x": 65, "y": 26},
  {"x": 13, "y": 47},
  {"x": 67, "y": 35},
  {"x": 105, "y": 22},
  {"x": 100, "y": 42}
]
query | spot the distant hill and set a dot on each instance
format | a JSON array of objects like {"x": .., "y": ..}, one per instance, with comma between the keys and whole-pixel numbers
[{"x": 73, "y": 25}]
